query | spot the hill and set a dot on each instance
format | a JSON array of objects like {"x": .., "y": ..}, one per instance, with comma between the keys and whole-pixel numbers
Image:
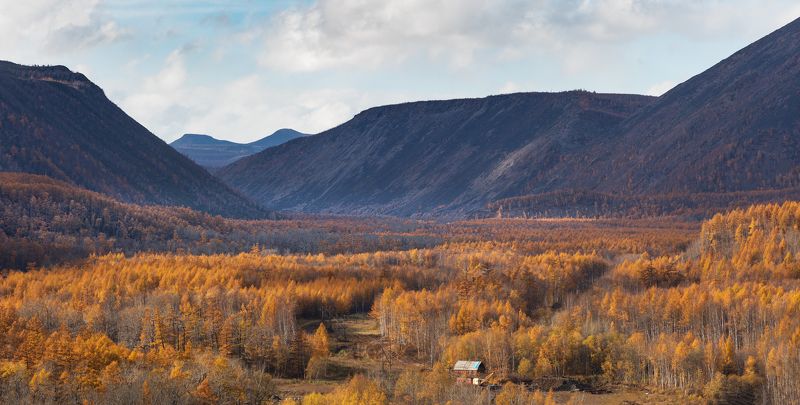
[
  {"x": 45, "y": 221},
  {"x": 591, "y": 204},
  {"x": 433, "y": 156},
  {"x": 726, "y": 138},
  {"x": 733, "y": 127},
  {"x": 732, "y": 131},
  {"x": 57, "y": 123},
  {"x": 213, "y": 153}
]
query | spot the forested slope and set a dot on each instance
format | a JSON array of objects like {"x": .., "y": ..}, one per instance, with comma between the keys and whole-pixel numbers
[{"x": 45, "y": 221}]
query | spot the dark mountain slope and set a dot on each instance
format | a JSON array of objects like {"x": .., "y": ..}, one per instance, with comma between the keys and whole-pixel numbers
[
  {"x": 733, "y": 127},
  {"x": 58, "y": 123},
  {"x": 428, "y": 157},
  {"x": 732, "y": 130},
  {"x": 212, "y": 153}
]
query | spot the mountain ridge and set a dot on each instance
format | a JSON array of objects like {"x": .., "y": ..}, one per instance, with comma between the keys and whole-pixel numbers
[
  {"x": 213, "y": 153},
  {"x": 756, "y": 92},
  {"x": 385, "y": 143},
  {"x": 58, "y": 123},
  {"x": 732, "y": 128}
]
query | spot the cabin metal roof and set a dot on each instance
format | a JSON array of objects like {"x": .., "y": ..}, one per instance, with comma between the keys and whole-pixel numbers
[{"x": 467, "y": 365}]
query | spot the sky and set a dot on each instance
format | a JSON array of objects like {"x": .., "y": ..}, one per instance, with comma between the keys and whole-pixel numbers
[{"x": 241, "y": 69}]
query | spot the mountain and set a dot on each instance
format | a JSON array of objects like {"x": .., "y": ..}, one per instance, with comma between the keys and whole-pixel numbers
[
  {"x": 278, "y": 137},
  {"x": 45, "y": 221},
  {"x": 57, "y": 123},
  {"x": 432, "y": 156},
  {"x": 733, "y": 129},
  {"x": 210, "y": 152}
]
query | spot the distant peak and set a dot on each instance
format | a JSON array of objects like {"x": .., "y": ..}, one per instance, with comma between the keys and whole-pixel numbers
[
  {"x": 197, "y": 136},
  {"x": 278, "y": 137},
  {"x": 286, "y": 130},
  {"x": 195, "y": 139}
]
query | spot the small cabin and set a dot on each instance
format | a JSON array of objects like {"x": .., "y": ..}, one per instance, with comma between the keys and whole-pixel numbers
[
  {"x": 469, "y": 368},
  {"x": 469, "y": 372}
]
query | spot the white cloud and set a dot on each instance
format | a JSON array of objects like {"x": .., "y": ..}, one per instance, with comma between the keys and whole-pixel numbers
[
  {"x": 74, "y": 37},
  {"x": 53, "y": 26},
  {"x": 241, "y": 109},
  {"x": 660, "y": 88},
  {"x": 247, "y": 108},
  {"x": 367, "y": 34},
  {"x": 509, "y": 87},
  {"x": 161, "y": 101},
  {"x": 332, "y": 34},
  {"x": 340, "y": 56},
  {"x": 84, "y": 69},
  {"x": 579, "y": 37}
]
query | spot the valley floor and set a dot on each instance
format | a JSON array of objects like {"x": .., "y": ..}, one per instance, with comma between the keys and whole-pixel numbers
[
  {"x": 558, "y": 311},
  {"x": 354, "y": 342}
]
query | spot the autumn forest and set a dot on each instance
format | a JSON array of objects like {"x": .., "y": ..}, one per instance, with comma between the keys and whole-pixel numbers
[
  {"x": 558, "y": 311},
  {"x": 390, "y": 244}
]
